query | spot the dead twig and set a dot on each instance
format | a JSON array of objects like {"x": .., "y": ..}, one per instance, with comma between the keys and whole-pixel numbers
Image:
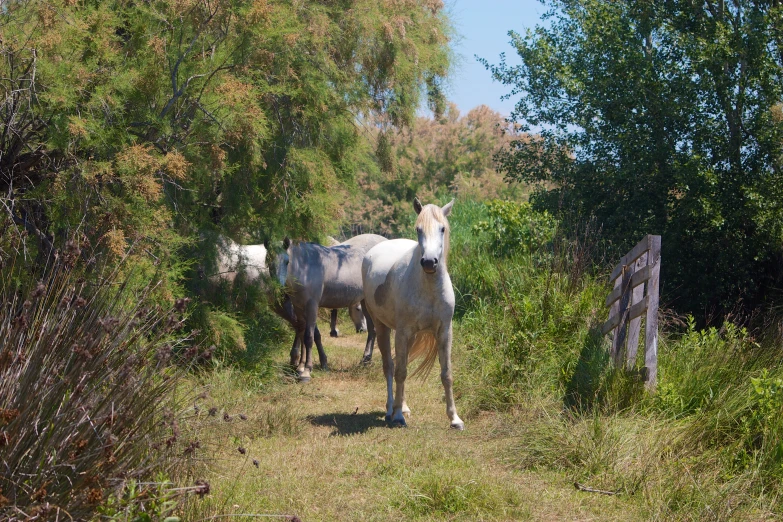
[{"x": 582, "y": 487}]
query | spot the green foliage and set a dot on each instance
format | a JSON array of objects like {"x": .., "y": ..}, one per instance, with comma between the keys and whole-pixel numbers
[
  {"x": 515, "y": 227},
  {"x": 524, "y": 320},
  {"x": 664, "y": 118},
  {"x": 707, "y": 444},
  {"x": 133, "y": 126}
]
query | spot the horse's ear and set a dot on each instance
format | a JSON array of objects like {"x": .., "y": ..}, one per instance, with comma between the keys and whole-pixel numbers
[
  {"x": 286, "y": 243},
  {"x": 447, "y": 208},
  {"x": 417, "y": 205}
]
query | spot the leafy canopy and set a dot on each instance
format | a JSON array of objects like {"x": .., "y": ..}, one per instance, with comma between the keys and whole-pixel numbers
[
  {"x": 131, "y": 126},
  {"x": 661, "y": 117}
]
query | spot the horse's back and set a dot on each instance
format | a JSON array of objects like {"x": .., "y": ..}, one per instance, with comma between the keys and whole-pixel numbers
[
  {"x": 379, "y": 260},
  {"x": 364, "y": 241},
  {"x": 233, "y": 257},
  {"x": 254, "y": 259},
  {"x": 331, "y": 275},
  {"x": 379, "y": 287}
]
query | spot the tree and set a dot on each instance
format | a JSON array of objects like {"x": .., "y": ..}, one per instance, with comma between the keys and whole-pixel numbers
[
  {"x": 661, "y": 117},
  {"x": 128, "y": 127},
  {"x": 451, "y": 154}
]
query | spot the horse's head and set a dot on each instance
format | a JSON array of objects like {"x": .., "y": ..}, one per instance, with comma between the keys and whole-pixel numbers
[
  {"x": 432, "y": 227},
  {"x": 278, "y": 260},
  {"x": 357, "y": 316}
]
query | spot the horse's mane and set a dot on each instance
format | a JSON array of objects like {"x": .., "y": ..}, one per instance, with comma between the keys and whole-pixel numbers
[{"x": 432, "y": 216}]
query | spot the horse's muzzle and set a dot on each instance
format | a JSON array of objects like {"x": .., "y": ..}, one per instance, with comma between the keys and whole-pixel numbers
[{"x": 429, "y": 265}]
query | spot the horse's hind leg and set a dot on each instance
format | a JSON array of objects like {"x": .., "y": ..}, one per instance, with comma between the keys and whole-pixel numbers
[
  {"x": 310, "y": 314},
  {"x": 321, "y": 353},
  {"x": 384, "y": 345},
  {"x": 444, "y": 355},
  {"x": 371, "y": 334},
  {"x": 334, "y": 332}
]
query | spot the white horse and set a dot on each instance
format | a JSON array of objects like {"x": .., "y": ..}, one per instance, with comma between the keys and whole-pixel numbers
[
  {"x": 316, "y": 276},
  {"x": 407, "y": 289}
]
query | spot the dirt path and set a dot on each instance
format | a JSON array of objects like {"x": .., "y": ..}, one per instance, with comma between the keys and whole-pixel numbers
[{"x": 324, "y": 452}]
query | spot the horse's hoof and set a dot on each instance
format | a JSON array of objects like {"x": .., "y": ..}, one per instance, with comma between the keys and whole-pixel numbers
[
  {"x": 387, "y": 418},
  {"x": 304, "y": 376},
  {"x": 366, "y": 361},
  {"x": 459, "y": 426},
  {"x": 334, "y": 333},
  {"x": 324, "y": 367},
  {"x": 399, "y": 423}
]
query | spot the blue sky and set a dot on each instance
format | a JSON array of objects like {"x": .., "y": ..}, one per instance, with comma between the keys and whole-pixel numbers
[{"x": 483, "y": 30}]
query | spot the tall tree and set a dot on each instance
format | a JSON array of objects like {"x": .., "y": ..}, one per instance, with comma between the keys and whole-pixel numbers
[
  {"x": 450, "y": 154},
  {"x": 662, "y": 117},
  {"x": 133, "y": 125}
]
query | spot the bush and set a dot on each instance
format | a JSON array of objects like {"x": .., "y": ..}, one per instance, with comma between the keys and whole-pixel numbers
[
  {"x": 86, "y": 403},
  {"x": 516, "y": 228}
]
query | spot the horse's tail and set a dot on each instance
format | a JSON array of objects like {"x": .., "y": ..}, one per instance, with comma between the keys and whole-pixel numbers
[{"x": 424, "y": 344}]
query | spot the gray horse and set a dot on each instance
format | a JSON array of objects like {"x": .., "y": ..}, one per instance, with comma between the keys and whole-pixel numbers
[
  {"x": 233, "y": 259},
  {"x": 315, "y": 277}
]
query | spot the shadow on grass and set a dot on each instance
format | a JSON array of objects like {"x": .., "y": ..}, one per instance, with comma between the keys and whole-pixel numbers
[
  {"x": 584, "y": 390},
  {"x": 348, "y": 423},
  {"x": 595, "y": 382}
]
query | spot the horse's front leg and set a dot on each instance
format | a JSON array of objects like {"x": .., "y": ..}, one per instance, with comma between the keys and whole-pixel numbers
[
  {"x": 310, "y": 314},
  {"x": 295, "y": 358},
  {"x": 401, "y": 345},
  {"x": 371, "y": 335},
  {"x": 444, "y": 356},
  {"x": 384, "y": 345},
  {"x": 334, "y": 332}
]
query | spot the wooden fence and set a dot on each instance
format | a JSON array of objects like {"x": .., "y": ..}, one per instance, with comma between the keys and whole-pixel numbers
[{"x": 635, "y": 292}]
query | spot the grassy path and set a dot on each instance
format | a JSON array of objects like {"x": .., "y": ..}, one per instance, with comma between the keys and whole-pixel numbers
[{"x": 324, "y": 452}]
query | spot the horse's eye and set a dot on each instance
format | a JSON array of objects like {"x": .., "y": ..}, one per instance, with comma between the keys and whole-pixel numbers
[{"x": 442, "y": 229}]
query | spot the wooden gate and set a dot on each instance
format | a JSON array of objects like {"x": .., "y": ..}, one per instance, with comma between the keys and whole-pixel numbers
[{"x": 635, "y": 292}]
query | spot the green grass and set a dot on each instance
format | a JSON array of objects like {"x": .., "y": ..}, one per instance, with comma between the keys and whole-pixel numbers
[
  {"x": 325, "y": 453},
  {"x": 544, "y": 409}
]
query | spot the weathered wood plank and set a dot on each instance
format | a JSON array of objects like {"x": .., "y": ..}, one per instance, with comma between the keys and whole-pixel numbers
[
  {"x": 651, "y": 327},
  {"x": 640, "y": 248},
  {"x": 618, "y": 343},
  {"x": 610, "y": 325},
  {"x": 641, "y": 273},
  {"x": 639, "y": 277},
  {"x": 638, "y": 309}
]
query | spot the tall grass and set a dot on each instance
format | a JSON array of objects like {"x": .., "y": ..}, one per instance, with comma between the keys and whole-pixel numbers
[
  {"x": 88, "y": 422},
  {"x": 706, "y": 445}
]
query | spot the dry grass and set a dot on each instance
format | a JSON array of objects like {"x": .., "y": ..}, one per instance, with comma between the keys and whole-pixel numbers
[{"x": 324, "y": 452}]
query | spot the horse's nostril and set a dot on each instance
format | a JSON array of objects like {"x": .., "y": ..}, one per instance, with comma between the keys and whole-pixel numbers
[{"x": 429, "y": 265}]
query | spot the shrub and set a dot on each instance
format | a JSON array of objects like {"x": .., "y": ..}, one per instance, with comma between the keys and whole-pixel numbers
[
  {"x": 516, "y": 228},
  {"x": 86, "y": 404}
]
